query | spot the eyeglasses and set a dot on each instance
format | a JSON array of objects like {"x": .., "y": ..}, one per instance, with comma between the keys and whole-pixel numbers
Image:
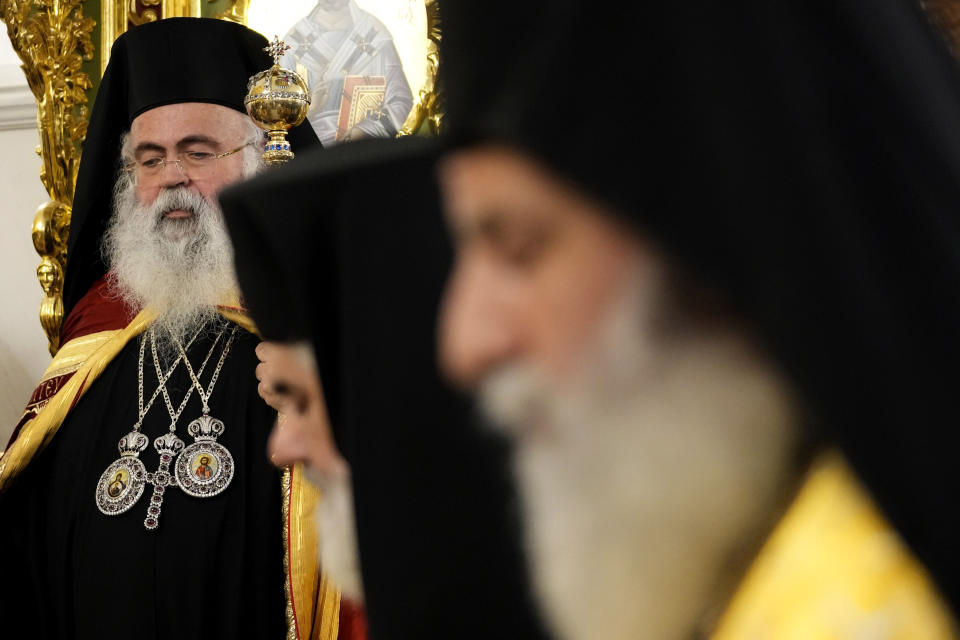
[{"x": 196, "y": 164}]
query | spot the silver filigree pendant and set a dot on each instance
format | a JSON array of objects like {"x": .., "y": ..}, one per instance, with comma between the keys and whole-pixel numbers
[
  {"x": 122, "y": 483},
  {"x": 205, "y": 468}
]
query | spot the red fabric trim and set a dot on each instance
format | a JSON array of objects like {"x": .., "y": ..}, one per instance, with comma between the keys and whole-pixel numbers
[
  {"x": 98, "y": 310},
  {"x": 76, "y": 398},
  {"x": 28, "y": 415},
  {"x": 47, "y": 389},
  {"x": 353, "y": 621},
  {"x": 41, "y": 396}
]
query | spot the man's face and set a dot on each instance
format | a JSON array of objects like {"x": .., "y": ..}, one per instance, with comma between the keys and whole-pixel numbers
[
  {"x": 651, "y": 437},
  {"x": 166, "y": 243},
  {"x": 290, "y": 383},
  {"x": 183, "y": 128},
  {"x": 536, "y": 264}
]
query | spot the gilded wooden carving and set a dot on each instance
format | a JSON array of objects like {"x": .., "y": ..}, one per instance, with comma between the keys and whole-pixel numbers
[
  {"x": 52, "y": 38},
  {"x": 427, "y": 106},
  {"x": 236, "y": 12}
]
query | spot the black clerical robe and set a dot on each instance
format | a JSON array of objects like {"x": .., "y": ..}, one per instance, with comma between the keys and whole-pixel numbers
[
  {"x": 238, "y": 564},
  {"x": 214, "y": 566}
]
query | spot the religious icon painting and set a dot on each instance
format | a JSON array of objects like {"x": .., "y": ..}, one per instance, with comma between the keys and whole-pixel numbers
[
  {"x": 120, "y": 482},
  {"x": 121, "y": 485},
  {"x": 204, "y": 466},
  {"x": 367, "y": 62},
  {"x": 204, "y": 469}
]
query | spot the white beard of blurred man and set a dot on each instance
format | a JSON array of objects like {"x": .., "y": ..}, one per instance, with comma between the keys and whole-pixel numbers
[{"x": 654, "y": 442}]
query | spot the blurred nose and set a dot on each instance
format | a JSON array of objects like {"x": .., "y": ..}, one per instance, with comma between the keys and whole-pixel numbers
[{"x": 477, "y": 332}]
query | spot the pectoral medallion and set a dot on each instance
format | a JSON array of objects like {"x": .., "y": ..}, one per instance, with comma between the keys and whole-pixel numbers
[
  {"x": 205, "y": 468},
  {"x": 122, "y": 483}
]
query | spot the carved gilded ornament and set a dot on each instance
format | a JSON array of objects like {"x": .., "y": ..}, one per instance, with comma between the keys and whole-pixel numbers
[
  {"x": 428, "y": 104},
  {"x": 236, "y": 12},
  {"x": 52, "y": 39}
]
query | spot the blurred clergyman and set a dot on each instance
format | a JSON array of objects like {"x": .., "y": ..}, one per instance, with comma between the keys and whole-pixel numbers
[
  {"x": 720, "y": 338},
  {"x": 713, "y": 304},
  {"x": 419, "y": 515}
]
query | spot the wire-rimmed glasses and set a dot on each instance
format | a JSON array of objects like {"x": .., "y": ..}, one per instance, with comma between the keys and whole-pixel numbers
[{"x": 195, "y": 164}]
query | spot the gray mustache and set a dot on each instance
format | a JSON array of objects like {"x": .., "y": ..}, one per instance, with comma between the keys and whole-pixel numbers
[{"x": 178, "y": 198}]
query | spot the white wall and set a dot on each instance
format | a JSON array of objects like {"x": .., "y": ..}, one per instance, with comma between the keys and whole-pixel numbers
[{"x": 23, "y": 345}]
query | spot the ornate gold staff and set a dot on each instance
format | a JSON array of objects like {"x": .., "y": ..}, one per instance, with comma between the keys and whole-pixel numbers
[{"x": 277, "y": 100}]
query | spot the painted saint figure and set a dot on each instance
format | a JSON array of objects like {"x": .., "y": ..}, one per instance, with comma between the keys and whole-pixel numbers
[
  {"x": 117, "y": 486},
  {"x": 203, "y": 470},
  {"x": 358, "y": 87}
]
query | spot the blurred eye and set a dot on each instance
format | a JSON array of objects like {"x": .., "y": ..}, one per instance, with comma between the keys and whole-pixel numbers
[{"x": 523, "y": 249}]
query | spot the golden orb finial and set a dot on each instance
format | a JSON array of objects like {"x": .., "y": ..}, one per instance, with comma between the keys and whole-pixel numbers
[{"x": 277, "y": 100}]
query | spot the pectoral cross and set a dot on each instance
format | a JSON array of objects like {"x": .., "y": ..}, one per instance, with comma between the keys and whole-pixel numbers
[
  {"x": 276, "y": 49},
  {"x": 168, "y": 446}
]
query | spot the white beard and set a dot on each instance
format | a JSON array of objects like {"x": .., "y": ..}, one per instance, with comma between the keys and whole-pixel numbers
[
  {"x": 339, "y": 551},
  {"x": 648, "y": 476},
  {"x": 180, "y": 268}
]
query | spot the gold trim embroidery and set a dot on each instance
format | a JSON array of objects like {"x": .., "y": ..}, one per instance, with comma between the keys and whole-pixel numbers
[
  {"x": 35, "y": 435},
  {"x": 286, "y": 489},
  {"x": 834, "y": 564}
]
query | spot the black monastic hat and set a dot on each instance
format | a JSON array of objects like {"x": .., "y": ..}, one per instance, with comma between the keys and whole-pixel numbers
[{"x": 169, "y": 61}]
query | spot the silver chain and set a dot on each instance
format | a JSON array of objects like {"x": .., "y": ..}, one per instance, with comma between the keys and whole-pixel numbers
[
  {"x": 161, "y": 379},
  {"x": 175, "y": 415},
  {"x": 205, "y": 397}
]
